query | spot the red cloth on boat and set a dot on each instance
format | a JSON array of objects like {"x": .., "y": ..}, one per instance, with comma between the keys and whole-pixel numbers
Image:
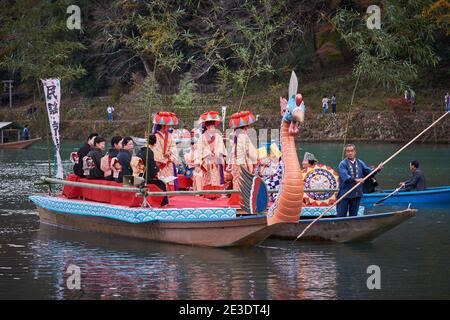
[
  {"x": 235, "y": 199},
  {"x": 212, "y": 196},
  {"x": 184, "y": 183},
  {"x": 109, "y": 196}
]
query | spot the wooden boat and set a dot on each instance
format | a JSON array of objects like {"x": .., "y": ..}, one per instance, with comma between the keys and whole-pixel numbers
[
  {"x": 429, "y": 195},
  {"x": 203, "y": 226},
  {"x": 21, "y": 144},
  {"x": 213, "y": 227},
  {"x": 196, "y": 221},
  {"x": 348, "y": 229},
  {"x": 12, "y": 130}
]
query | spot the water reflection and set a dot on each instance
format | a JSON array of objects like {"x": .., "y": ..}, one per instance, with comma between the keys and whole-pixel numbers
[{"x": 413, "y": 258}]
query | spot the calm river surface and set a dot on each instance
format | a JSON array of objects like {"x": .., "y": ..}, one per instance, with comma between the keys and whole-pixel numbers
[{"x": 414, "y": 258}]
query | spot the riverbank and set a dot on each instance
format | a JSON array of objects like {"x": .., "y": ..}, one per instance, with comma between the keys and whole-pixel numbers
[{"x": 369, "y": 126}]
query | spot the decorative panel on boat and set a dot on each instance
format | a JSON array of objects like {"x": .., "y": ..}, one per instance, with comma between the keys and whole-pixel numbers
[{"x": 132, "y": 215}]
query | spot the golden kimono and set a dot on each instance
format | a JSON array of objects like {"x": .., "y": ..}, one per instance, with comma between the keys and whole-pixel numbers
[
  {"x": 166, "y": 157},
  {"x": 197, "y": 174},
  {"x": 211, "y": 152}
]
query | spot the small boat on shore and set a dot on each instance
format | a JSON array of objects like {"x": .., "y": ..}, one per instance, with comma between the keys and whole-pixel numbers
[
  {"x": 347, "y": 229},
  {"x": 10, "y": 137},
  {"x": 429, "y": 195},
  {"x": 21, "y": 144}
]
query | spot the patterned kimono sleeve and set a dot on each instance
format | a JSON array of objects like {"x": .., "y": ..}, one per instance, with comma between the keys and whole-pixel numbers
[
  {"x": 158, "y": 150},
  {"x": 252, "y": 153},
  {"x": 221, "y": 150},
  {"x": 173, "y": 151}
]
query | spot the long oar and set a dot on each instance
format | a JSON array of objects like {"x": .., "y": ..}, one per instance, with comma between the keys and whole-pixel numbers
[
  {"x": 370, "y": 174},
  {"x": 388, "y": 196}
]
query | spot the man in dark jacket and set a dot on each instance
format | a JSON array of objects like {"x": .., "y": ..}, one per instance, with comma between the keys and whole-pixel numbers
[
  {"x": 417, "y": 181},
  {"x": 82, "y": 152},
  {"x": 96, "y": 154},
  {"x": 113, "y": 152},
  {"x": 152, "y": 168},
  {"x": 351, "y": 172},
  {"x": 124, "y": 158}
]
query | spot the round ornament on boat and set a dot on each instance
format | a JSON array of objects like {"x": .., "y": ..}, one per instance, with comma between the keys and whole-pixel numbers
[
  {"x": 242, "y": 119},
  {"x": 320, "y": 176},
  {"x": 165, "y": 118}
]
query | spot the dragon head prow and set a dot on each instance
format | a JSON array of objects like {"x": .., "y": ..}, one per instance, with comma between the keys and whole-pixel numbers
[{"x": 293, "y": 111}]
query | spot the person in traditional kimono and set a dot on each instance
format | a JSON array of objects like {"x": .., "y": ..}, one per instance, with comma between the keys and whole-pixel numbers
[
  {"x": 124, "y": 157},
  {"x": 152, "y": 169},
  {"x": 197, "y": 174},
  {"x": 211, "y": 154},
  {"x": 81, "y": 153},
  {"x": 96, "y": 155},
  {"x": 243, "y": 152},
  {"x": 165, "y": 148},
  {"x": 113, "y": 152}
]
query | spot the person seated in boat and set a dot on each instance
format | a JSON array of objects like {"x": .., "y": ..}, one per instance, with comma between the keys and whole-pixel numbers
[
  {"x": 113, "y": 152},
  {"x": 351, "y": 171},
  {"x": 417, "y": 181},
  {"x": 124, "y": 158},
  {"x": 96, "y": 155},
  {"x": 309, "y": 160},
  {"x": 243, "y": 152},
  {"x": 151, "y": 170},
  {"x": 211, "y": 154},
  {"x": 82, "y": 152},
  {"x": 371, "y": 184},
  {"x": 165, "y": 148},
  {"x": 197, "y": 174},
  {"x": 26, "y": 133}
]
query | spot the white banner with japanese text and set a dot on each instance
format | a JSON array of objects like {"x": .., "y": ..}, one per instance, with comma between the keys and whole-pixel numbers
[{"x": 52, "y": 90}]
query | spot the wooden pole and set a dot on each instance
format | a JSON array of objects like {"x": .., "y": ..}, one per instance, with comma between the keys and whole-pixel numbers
[
  {"x": 371, "y": 174},
  {"x": 143, "y": 191}
]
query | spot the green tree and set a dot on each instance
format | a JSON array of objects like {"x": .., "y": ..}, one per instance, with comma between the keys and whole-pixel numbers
[
  {"x": 394, "y": 55},
  {"x": 36, "y": 42},
  {"x": 187, "y": 91}
]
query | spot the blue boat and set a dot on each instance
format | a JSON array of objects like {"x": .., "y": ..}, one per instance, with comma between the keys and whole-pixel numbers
[{"x": 429, "y": 195}]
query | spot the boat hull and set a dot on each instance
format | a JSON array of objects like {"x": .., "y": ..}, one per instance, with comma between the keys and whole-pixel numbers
[
  {"x": 348, "y": 229},
  {"x": 248, "y": 231},
  {"x": 430, "y": 195},
  {"x": 22, "y": 144}
]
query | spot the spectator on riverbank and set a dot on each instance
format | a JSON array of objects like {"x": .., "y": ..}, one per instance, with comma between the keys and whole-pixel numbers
[
  {"x": 412, "y": 101},
  {"x": 26, "y": 133},
  {"x": 82, "y": 152},
  {"x": 447, "y": 102},
  {"x": 110, "y": 111},
  {"x": 333, "y": 103},
  {"x": 325, "y": 104}
]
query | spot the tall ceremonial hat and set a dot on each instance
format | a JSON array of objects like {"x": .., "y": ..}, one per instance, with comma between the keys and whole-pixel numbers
[
  {"x": 165, "y": 118},
  {"x": 242, "y": 119},
  {"x": 210, "y": 116}
]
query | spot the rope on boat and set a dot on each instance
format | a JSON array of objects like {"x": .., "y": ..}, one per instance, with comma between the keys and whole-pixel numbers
[{"x": 143, "y": 191}]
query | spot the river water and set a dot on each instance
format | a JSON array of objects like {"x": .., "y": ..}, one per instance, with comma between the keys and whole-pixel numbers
[{"x": 414, "y": 258}]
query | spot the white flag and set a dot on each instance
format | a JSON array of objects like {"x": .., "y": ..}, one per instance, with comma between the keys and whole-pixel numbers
[
  {"x": 224, "y": 113},
  {"x": 52, "y": 90}
]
